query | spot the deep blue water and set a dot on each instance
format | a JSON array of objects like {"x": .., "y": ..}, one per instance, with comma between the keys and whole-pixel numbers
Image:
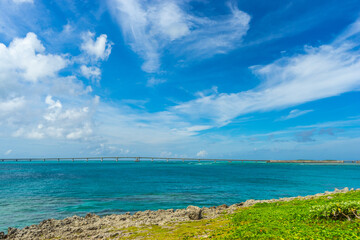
[{"x": 32, "y": 192}]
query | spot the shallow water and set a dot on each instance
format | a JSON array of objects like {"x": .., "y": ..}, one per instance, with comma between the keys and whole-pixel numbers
[{"x": 32, "y": 192}]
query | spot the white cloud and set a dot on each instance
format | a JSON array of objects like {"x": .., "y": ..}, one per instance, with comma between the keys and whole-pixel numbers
[
  {"x": 166, "y": 154},
  {"x": 155, "y": 81},
  {"x": 321, "y": 72},
  {"x": 352, "y": 30},
  {"x": 324, "y": 71},
  {"x": 25, "y": 57},
  {"x": 91, "y": 72},
  {"x": 61, "y": 108},
  {"x": 99, "y": 48},
  {"x": 295, "y": 113},
  {"x": 94, "y": 52},
  {"x": 169, "y": 20},
  {"x": 11, "y": 105},
  {"x": 104, "y": 149},
  {"x": 334, "y": 124},
  {"x": 35, "y": 101},
  {"x": 202, "y": 153},
  {"x": 212, "y": 37},
  {"x": 81, "y": 132},
  {"x": 197, "y": 128},
  {"x": 52, "y": 104},
  {"x": 23, "y": 1},
  {"x": 150, "y": 27},
  {"x": 134, "y": 22},
  {"x": 8, "y": 152},
  {"x": 57, "y": 122}
]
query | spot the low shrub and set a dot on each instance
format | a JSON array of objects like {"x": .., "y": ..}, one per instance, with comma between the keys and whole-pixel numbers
[{"x": 337, "y": 210}]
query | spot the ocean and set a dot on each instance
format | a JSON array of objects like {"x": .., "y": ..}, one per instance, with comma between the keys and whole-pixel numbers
[{"x": 34, "y": 191}]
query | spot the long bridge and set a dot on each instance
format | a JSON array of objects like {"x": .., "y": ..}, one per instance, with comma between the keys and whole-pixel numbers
[
  {"x": 117, "y": 159},
  {"x": 167, "y": 159}
]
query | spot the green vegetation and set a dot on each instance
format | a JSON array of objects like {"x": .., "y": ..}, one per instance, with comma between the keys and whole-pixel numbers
[
  {"x": 319, "y": 218},
  {"x": 337, "y": 211},
  {"x": 298, "y": 219}
]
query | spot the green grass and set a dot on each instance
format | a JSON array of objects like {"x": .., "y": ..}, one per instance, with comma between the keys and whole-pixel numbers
[
  {"x": 279, "y": 220},
  {"x": 292, "y": 220}
]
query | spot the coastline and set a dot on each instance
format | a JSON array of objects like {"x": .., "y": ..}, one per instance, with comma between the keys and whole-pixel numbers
[{"x": 112, "y": 226}]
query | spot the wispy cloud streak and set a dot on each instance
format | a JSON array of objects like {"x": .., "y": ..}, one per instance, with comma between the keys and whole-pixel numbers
[
  {"x": 294, "y": 114},
  {"x": 319, "y": 72},
  {"x": 151, "y": 26}
]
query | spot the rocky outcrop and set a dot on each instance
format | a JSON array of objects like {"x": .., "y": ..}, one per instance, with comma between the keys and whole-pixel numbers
[
  {"x": 193, "y": 212},
  {"x": 112, "y": 226}
]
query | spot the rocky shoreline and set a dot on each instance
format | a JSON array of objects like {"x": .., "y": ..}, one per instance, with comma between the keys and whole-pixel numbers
[{"x": 112, "y": 226}]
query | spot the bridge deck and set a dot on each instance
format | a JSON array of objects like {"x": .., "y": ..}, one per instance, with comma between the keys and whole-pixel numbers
[{"x": 138, "y": 159}]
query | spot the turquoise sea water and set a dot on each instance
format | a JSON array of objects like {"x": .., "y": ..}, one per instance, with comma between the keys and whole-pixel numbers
[{"x": 32, "y": 192}]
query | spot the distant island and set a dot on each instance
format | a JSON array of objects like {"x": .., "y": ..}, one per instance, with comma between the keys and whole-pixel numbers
[{"x": 306, "y": 161}]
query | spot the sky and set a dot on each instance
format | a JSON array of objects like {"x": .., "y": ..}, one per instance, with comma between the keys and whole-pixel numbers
[{"x": 244, "y": 79}]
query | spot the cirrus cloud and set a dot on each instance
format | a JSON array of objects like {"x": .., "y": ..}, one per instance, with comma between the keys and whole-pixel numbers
[
  {"x": 295, "y": 113},
  {"x": 319, "y": 72},
  {"x": 152, "y": 26}
]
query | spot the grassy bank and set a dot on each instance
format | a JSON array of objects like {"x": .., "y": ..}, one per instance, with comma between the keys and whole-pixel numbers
[{"x": 279, "y": 220}]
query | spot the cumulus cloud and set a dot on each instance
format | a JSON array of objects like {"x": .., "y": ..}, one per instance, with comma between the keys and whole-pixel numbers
[
  {"x": 63, "y": 109},
  {"x": 57, "y": 122},
  {"x": 91, "y": 72},
  {"x": 27, "y": 72},
  {"x": 35, "y": 101},
  {"x": 94, "y": 52},
  {"x": 295, "y": 113},
  {"x": 202, "y": 153},
  {"x": 150, "y": 27},
  {"x": 25, "y": 57},
  {"x": 11, "y": 105},
  {"x": 105, "y": 149},
  {"x": 99, "y": 49}
]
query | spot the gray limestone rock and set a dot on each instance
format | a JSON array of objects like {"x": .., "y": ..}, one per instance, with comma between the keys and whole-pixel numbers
[{"x": 193, "y": 212}]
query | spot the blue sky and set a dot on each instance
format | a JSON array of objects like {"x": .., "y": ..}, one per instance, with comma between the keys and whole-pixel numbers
[{"x": 180, "y": 78}]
